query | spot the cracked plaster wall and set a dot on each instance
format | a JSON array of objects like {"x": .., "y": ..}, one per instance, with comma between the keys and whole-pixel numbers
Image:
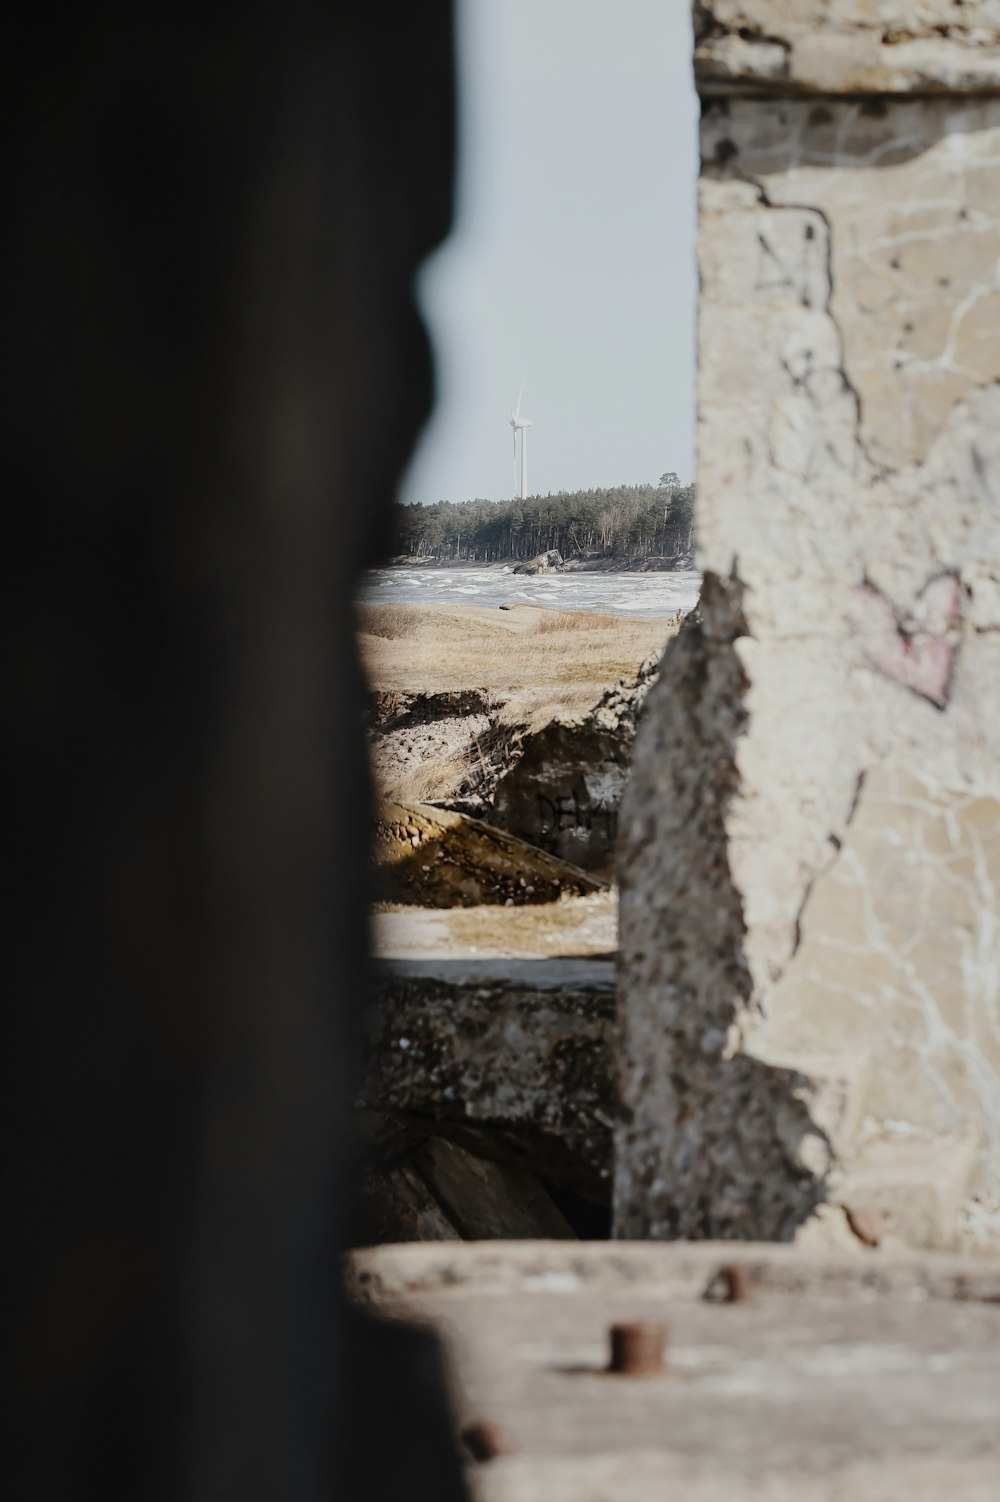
[{"x": 841, "y": 914}]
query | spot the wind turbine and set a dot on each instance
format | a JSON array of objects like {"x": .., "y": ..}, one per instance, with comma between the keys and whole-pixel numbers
[{"x": 521, "y": 425}]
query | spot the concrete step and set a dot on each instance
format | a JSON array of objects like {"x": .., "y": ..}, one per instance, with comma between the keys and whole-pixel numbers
[{"x": 828, "y": 1379}]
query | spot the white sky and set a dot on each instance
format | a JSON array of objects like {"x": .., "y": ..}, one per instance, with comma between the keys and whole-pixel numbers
[{"x": 572, "y": 260}]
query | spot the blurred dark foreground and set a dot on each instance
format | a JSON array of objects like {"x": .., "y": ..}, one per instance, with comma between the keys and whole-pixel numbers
[{"x": 214, "y": 374}]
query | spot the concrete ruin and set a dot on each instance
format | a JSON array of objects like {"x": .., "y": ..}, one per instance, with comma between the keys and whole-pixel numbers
[
  {"x": 788, "y": 1376},
  {"x": 510, "y": 1059},
  {"x": 563, "y": 790},
  {"x": 810, "y": 844},
  {"x": 444, "y": 859}
]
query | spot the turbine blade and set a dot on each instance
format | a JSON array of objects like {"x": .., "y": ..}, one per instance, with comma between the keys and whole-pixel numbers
[{"x": 517, "y": 409}]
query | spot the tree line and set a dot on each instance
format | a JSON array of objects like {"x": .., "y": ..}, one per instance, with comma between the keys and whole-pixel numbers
[{"x": 627, "y": 521}]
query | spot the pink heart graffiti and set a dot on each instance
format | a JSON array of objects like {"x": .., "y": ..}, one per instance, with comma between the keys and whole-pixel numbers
[{"x": 917, "y": 647}]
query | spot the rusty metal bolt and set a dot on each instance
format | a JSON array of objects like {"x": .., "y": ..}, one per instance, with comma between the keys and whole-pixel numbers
[
  {"x": 637, "y": 1349},
  {"x": 484, "y": 1441},
  {"x": 735, "y": 1282}
]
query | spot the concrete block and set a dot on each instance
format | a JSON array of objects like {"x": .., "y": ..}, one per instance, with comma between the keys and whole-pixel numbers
[{"x": 511, "y": 1058}]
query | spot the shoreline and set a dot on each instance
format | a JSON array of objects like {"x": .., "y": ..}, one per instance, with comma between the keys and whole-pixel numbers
[
  {"x": 601, "y": 565},
  {"x": 622, "y": 593},
  {"x": 522, "y": 615}
]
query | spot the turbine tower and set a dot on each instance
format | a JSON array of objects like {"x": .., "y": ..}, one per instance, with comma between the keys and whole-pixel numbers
[{"x": 521, "y": 425}]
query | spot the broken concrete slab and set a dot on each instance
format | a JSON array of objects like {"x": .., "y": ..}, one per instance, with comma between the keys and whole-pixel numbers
[
  {"x": 436, "y": 1191},
  {"x": 831, "y": 1377},
  {"x": 399, "y": 1205},
  {"x": 509, "y": 1058},
  {"x": 488, "y": 1201},
  {"x": 916, "y": 1188},
  {"x": 564, "y": 790},
  {"x": 439, "y": 858}
]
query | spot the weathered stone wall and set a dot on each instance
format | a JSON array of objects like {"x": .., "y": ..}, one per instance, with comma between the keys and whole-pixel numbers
[{"x": 830, "y": 934}]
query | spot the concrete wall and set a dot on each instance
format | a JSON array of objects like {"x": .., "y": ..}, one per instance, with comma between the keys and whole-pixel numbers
[{"x": 810, "y": 995}]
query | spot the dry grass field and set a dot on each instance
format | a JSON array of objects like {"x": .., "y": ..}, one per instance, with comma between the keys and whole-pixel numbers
[
  {"x": 537, "y": 661},
  {"x": 529, "y": 663}
]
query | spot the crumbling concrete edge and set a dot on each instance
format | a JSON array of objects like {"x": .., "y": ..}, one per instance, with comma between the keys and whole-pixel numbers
[
  {"x": 487, "y": 1269},
  {"x": 743, "y": 1158}
]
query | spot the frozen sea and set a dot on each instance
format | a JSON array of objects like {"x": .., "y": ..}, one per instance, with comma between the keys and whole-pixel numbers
[{"x": 614, "y": 594}]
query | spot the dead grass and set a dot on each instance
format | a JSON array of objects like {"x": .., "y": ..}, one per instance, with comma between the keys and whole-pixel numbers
[
  {"x": 533, "y": 659},
  {"x": 534, "y": 708},
  {"x": 389, "y": 621},
  {"x": 461, "y": 769},
  {"x": 436, "y": 777},
  {"x": 576, "y": 620},
  {"x": 532, "y": 663}
]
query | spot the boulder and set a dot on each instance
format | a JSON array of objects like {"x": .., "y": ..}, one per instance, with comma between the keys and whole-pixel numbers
[{"x": 544, "y": 563}]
